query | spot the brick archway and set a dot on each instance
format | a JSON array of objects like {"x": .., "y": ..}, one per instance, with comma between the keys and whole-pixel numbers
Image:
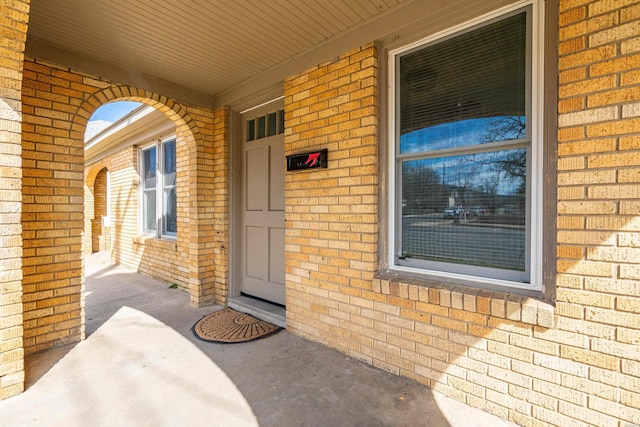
[
  {"x": 58, "y": 104},
  {"x": 187, "y": 134},
  {"x": 191, "y": 149}
]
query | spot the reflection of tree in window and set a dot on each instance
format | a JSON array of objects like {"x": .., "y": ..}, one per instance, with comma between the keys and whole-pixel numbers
[
  {"x": 415, "y": 178},
  {"x": 505, "y": 128}
]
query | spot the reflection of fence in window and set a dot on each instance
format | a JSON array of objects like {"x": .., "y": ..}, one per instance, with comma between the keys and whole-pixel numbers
[
  {"x": 432, "y": 238},
  {"x": 170, "y": 215},
  {"x": 468, "y": 209}
]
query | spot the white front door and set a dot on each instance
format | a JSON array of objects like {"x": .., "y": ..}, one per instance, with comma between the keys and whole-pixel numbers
[{"x": 262, "y": 212}]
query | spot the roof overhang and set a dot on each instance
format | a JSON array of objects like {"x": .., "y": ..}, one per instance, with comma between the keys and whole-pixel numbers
[{"x": 141, "y": 126}]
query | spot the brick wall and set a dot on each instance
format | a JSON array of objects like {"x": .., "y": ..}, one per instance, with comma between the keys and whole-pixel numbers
[
  {"x": 13, "y": 22},
  {"x": 190, "y": 260},
  {"x": 215, "y": 211},
  {"x": 598, "y": 205},
  {"x": 89, "y": 217},
  {"x": 572, "y": 364},
  {"x": 575, "y": 363},
  {"x": 52, "y": 219},
  {"x": 198, "y": 258},
  {"x": 208, "y": 200},
  {"x": 166, "y": 260},
  {"x": 332, "y": 214},
  {"x": 99, "y": 233}
]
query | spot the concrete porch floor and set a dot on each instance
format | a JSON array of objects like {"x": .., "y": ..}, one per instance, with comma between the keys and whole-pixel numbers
[{"x": 142, "y": 366}]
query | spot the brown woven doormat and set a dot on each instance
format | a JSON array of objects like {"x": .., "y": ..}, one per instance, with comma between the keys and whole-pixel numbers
[{"x": 231, "y": 326}]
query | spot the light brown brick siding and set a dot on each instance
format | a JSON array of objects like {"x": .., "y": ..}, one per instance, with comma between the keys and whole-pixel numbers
[
  {"x": 332, "y": 214},
  {"x": 573, "y": 363},
  {"x": 100, "y": 233},
  {"x": 525, "y": 360},
  {"x": 57, "y": 105},
  {"x": 14, "y": 24},
  {"x": 164, "y": 259}
]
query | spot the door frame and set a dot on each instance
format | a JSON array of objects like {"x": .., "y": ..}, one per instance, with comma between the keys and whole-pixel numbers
[{"x": 235, "y": 196}]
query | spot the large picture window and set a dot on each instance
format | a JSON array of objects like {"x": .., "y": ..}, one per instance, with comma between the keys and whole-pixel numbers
[
  {"x": 465, "y": 153},
  {"x": 159, "y": 207}
]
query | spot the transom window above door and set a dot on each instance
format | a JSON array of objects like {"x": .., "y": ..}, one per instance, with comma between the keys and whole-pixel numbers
[{"x": 265, "y": 126}]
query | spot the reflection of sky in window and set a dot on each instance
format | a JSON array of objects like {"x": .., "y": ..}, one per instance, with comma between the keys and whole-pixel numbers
[
  {"x": 462, "y": 133},
  {"x": 151, "y": 163},
  {"x": 150, "y": 167},
  {"x": 170, "y": 156}
]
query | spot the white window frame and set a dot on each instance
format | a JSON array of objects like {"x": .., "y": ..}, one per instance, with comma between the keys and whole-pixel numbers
[
  {"x": 535, "y": 181},
  {"x": 159, "y": 189}
]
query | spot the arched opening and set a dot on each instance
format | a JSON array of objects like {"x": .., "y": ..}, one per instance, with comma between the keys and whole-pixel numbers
[
  {"x": 131, "y": 185},
  {"x": 153, "y": 151},
  {"x": 63, "y": 206}
]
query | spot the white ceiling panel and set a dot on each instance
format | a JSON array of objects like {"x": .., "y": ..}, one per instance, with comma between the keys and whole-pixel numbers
[
  {"x": 203, "y": 45},
  {"x": 223, "y": 52}
]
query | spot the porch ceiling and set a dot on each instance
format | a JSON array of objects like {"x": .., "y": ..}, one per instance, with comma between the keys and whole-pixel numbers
[{"x": 223, "y": 52}]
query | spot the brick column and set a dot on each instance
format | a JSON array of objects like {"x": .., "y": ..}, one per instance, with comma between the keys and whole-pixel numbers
[
  {"x": 205, "y": 205},
  {"x": 53, "y": 209},
  {"x": 98, "y": 230},
  {"x": 219, "y": 264},
  {"x": 332, "y": 214},
  {"x": 599, "y": 210},
  {"x": 14, "y": 23}
]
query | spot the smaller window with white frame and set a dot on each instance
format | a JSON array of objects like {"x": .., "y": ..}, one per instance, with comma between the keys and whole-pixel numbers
[
  {"x": 466, "y": 151},
  {"x": 159, "y": 213}
]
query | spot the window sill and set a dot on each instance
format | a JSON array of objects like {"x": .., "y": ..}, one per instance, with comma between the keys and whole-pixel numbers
[
  {"x": 154, "y": 242},
  {"x": 505, "y": 305}
]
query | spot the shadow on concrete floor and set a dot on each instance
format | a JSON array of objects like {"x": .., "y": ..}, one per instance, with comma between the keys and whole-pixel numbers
[{"x": 286, "y": 380}]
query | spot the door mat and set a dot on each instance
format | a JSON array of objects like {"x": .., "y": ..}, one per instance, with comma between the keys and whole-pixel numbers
[{"x": 231, "y": 326}]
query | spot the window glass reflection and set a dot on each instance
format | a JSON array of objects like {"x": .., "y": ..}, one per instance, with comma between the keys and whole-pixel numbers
[{"x": 468, "y": 209}]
